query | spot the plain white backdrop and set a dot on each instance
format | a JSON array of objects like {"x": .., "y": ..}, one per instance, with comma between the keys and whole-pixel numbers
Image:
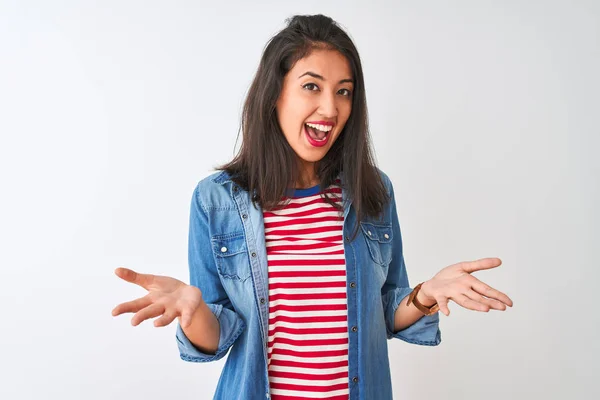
[{"x": 485, "y": 115}]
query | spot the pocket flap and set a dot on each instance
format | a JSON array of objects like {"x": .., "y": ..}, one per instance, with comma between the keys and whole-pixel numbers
[
  {"x": 381, "y": 233},
  {"x": 229, "y": 244}
]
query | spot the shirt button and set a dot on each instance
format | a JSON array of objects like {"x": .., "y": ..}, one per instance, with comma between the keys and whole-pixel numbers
[
  {"x": 235, "y": 189},
  {"x": 352, "y": 284},
  {"x": 386, "y": 236},
  {"x": 355, "y": 379},
  {"x": 369, "y": 233},
  {"x": 245, "y": 216},
  {"x": 262, "y": 300},
  {"x": 223, "y": 249},
  {"x": 354, "y": 329},
  {"x": 347, "y": 239},
  {"x": 253, "y": 254}
]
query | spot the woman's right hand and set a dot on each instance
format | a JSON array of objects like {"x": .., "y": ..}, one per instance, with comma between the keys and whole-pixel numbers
[{"x": 167, "y": 297}]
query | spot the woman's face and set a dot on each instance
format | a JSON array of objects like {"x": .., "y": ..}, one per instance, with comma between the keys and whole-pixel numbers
[{"x": 318, "y": 91}]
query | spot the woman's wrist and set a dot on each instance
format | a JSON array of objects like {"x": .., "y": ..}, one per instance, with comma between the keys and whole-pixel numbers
[{"x": 423, "y": 297}]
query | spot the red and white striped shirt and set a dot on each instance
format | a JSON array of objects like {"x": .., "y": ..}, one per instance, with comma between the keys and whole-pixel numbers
[{"x": 308, "y": 313}]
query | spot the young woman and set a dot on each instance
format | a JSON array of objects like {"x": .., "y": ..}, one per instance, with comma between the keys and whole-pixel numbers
[{"x": 295, "y": 251}]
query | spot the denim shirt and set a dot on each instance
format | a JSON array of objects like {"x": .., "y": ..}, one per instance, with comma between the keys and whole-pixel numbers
[{"x": 228, "y": 262}]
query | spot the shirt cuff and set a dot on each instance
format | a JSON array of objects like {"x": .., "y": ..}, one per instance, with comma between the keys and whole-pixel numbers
[
  {"x": 425, "y": 331},
  {"x": 231, "y": 327}
]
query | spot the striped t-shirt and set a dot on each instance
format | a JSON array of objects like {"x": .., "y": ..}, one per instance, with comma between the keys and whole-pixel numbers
[{"x": 308, "y": 314}]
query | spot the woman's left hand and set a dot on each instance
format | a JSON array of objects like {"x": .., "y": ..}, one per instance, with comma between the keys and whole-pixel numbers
[{"x": 457, "y": 284}]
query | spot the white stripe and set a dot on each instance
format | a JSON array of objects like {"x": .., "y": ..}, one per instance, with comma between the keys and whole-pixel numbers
[
  {"x": 285, "y": 268},
  {"x": 320, "y": 237},
  {"x": 308, "y": 382},
  {"x": 279, "y": 257},
  {"x": 299, "y": 314},
  {"x": 308, "y": 325},
  {"x": 341, "y": 289},
  {"x": 312, "y": 225},
  {"x": 329, "y": 347},
  {"x": 307, "y": 279},
  {"x": 311, "y": 360},
  {"x": 308, "y": 302}
]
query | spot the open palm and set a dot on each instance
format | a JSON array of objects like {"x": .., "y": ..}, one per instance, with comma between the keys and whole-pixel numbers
[{"x": 167, "y": 297}]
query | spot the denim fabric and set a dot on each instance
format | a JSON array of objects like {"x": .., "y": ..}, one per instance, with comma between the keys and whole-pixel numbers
[{"x": 228, "y": 262}]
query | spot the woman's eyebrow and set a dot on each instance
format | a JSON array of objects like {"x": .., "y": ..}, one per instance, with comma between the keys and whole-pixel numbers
[{"x": 314, "y": 75}]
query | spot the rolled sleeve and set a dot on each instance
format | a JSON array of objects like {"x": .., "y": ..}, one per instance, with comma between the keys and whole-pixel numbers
[
  {"x": 425, "y": 331},
  {"x": 231, "y": 327}
]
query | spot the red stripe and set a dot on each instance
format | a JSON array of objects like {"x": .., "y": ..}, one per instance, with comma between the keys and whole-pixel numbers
[
  {"x": 283, "y": 274},
  {"x": 309, "y": 388},
  {"x": 300, "y": 221},
  {"x": 328, "y": 208},
  {"x": 324, "y": 239},
  {"x": 308, "y": 246},
  {"x": 284, "y": 397},
  {"x": 311, "y": 342},
  {"x": 308, "y": 320}
]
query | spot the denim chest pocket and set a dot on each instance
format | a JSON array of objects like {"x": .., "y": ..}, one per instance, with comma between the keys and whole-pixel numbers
[
  {"x": 231, "y": 255},
  {"x": 379, "y": 241}
]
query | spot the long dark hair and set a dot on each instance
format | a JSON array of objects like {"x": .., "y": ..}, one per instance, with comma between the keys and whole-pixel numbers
[{"x": 266, "y": 165}]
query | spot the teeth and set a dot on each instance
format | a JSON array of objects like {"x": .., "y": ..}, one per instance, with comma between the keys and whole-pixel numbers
[{"x": 322, "y": 128}]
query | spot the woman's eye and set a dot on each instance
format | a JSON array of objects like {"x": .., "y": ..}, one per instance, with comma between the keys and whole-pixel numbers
[
  {"x": 347, "y": 92},
  {"x": 309, "y": 85}
]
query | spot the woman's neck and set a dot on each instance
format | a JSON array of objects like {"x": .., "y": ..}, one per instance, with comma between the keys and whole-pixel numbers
[{"x": 308, "y": 176}]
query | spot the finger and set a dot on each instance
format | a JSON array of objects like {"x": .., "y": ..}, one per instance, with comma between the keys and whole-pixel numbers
[
  {"x": 483, "y": 263},
  {"x": 165, "y": 319},
  {"x": 490, "y": 292},
  {"x": 132, "y": 306},
  {"x": 466, "y": 302},
  {"x": 492, "y": 303},
  {"x": 151, "y": 311},
  {"x": 186, "y": 317},
  {"x": 129, "y": 275},
  {"x": 443, "y": 303}
]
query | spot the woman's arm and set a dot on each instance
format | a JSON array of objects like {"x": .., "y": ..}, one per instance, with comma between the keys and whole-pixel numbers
[
  {"x": 406, "y": 316},
  {"x": 203, "y": 330}
]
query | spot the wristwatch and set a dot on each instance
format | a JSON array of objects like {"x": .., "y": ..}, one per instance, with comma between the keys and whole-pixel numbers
[{"x": 412, "y": 298}]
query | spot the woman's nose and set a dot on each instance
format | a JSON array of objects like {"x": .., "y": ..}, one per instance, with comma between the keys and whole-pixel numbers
[{"x": 327, "y": 106}]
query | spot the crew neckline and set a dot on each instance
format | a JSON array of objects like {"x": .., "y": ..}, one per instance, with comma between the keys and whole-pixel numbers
[{"x": 311, "y": 191}]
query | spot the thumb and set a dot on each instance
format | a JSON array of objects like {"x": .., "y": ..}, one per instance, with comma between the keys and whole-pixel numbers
[{"x": 186, "y": 318}]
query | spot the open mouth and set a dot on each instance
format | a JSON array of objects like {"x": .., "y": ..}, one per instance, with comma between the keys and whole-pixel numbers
[{"x": 317, "y": 135}]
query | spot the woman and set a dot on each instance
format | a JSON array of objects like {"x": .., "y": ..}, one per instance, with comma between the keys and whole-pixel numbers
[{"x": 295, "y": 251}]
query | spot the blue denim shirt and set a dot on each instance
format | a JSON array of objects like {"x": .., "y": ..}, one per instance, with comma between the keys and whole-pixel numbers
[{"x": 228, "y": 262}]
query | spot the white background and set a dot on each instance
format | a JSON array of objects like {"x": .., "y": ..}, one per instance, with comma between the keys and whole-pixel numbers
[{"x": 483, "y": 113}]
